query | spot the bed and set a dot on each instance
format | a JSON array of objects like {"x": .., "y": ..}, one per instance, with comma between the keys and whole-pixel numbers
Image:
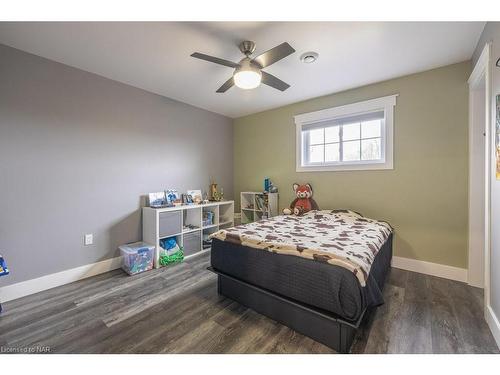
[{"x": 318, "y": 274}]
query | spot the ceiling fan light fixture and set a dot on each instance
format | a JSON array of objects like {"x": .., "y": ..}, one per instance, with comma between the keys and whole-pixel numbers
[
  {"x": 247, "y": 79},
  {"x": 248, "y": 73},
  {"x": 247, "y": 76}
]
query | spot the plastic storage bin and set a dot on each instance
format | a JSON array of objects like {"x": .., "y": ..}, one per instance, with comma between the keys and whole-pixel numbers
[
  {"x": 137, "y": 257},
  {"x": 170, "y": 223},
  {"x": 192, "y": 243}
]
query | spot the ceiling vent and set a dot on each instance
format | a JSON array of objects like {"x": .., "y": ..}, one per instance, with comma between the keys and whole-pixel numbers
[{"x": 309, "y": 57}]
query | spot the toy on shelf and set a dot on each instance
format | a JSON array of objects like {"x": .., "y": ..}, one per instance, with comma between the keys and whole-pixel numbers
[
  {"x": 170, "y": 251},
  {"x": 4, "y": 271},
  {"x": 215, "y": 195},
  {"x": 269, "y": 186},
  {"x": 205, "y": 200},
  {"x": 137, "y": 257}
]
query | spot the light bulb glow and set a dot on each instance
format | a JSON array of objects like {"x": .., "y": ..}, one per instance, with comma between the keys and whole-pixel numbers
[{"x": 247, "y": 79}]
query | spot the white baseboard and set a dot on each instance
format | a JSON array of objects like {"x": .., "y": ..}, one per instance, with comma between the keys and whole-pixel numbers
[
  {"x": 32, "y": 286},
  {"x": 428, "y": 268},
  {"x": 493, "y": 323},
  {"x": 25, "y": 288}
]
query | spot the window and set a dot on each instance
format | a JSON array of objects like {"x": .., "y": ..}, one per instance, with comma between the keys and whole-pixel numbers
[{"x": 352, "y": 137}]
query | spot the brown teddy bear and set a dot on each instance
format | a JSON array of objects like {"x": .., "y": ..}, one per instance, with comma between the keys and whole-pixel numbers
[{"x": 303, "y": 202}]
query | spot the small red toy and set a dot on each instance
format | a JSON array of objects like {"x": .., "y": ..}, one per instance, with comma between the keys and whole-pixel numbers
[{"x": 303, "y": 202}]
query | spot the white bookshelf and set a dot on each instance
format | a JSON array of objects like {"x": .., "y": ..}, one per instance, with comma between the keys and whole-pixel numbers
[
  {"x": 160, "y": 223},
  {"x": 252, "y": 211}
]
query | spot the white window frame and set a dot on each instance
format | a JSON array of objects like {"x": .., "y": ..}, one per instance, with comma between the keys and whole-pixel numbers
[{"x": 386, "y": 103}]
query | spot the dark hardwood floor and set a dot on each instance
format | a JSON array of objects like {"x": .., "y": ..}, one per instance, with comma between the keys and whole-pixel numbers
[{"x": 178, "y": 310}]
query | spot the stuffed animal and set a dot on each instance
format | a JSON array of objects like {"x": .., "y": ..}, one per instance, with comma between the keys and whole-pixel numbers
[{"x": 303, "y": 201}]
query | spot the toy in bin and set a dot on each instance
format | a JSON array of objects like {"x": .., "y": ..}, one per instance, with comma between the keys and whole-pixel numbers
[
  {"x": 137, "y": 257},
  {"x": 170, "y": 251},
  {"x": 4, "y": 271}
]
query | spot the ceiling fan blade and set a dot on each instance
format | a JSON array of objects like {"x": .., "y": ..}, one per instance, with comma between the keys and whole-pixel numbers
[
  {"x": 274, "y": 82},
  {"x": 226, "y": 86},
  {"x": 215, "y": 60},
  {"x": 274, "y": 54}
]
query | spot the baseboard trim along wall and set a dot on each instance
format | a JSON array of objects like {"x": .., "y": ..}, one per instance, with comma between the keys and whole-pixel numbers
[
  {"x": 25, "y": 288},
  {"x": 493, "y": 323},
  {"x": 428, "y": 268}
]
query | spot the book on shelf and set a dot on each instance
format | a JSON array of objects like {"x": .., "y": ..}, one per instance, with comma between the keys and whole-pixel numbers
[{"x": 261, "y": 203}]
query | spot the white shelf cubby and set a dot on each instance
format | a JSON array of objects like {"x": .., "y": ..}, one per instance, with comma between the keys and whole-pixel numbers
[
  {"x": 168, "y": 222},
  {"x": 256, "y": 205}
]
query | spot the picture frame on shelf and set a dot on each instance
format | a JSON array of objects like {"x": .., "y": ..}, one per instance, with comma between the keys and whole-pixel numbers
[
  {"x": 195, "y": 195},
  {"x": 158, "y": 199},
  {"x": 172, "y": 196},
  {"x": 187, "y": 199}
]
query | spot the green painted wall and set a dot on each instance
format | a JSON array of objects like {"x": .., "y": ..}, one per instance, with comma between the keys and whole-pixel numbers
[{"x": 424, "y": 197}]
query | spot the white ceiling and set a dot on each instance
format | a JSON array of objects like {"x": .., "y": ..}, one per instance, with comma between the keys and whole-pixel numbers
[{"x": 155, "y": 56}]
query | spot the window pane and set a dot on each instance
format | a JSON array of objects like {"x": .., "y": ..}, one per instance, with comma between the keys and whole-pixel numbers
[
  {"x": 350, "y": 131},
  {"x": 370, "y": 129},
  {"x": 371, "y": 149},
  {"x": 352, "y": 150},
  {"x": 332, "y": 134},
  {"x": 316, "y": 154},
  {"x": 332, "y": 152},
  {"x": 316, "y": 136}
]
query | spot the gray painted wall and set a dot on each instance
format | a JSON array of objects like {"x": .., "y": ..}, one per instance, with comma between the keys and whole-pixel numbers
[
  {"x": 491, "y": 34},
  {"x": 77, "y": 152}
]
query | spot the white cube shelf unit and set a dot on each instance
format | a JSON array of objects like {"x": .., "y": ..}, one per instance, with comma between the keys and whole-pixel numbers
[
  {"x": 186, "y": 224},
  {"x": 256, "y": 205}
]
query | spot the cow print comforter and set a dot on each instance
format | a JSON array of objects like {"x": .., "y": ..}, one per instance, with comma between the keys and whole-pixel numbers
[{"x": 339, "y": 237}]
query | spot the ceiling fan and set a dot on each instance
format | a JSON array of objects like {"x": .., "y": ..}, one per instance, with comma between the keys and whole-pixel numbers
[{"x": 248, "y": 73}]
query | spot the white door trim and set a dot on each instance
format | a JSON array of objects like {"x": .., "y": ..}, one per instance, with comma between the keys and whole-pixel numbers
[
  {"x": 477, "y": 173},
  {"x": 482, "y": 70},
  {"x": 481, "y": 67}
]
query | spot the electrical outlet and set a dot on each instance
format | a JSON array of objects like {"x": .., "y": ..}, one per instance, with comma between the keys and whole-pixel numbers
[{"x": 89, "y": 239}]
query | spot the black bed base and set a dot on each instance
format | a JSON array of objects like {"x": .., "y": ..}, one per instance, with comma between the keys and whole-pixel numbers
[{"x": 327, "y": 329}]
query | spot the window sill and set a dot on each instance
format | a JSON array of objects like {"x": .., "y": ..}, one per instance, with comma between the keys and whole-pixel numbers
[{"x": 345, "y": 167}]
